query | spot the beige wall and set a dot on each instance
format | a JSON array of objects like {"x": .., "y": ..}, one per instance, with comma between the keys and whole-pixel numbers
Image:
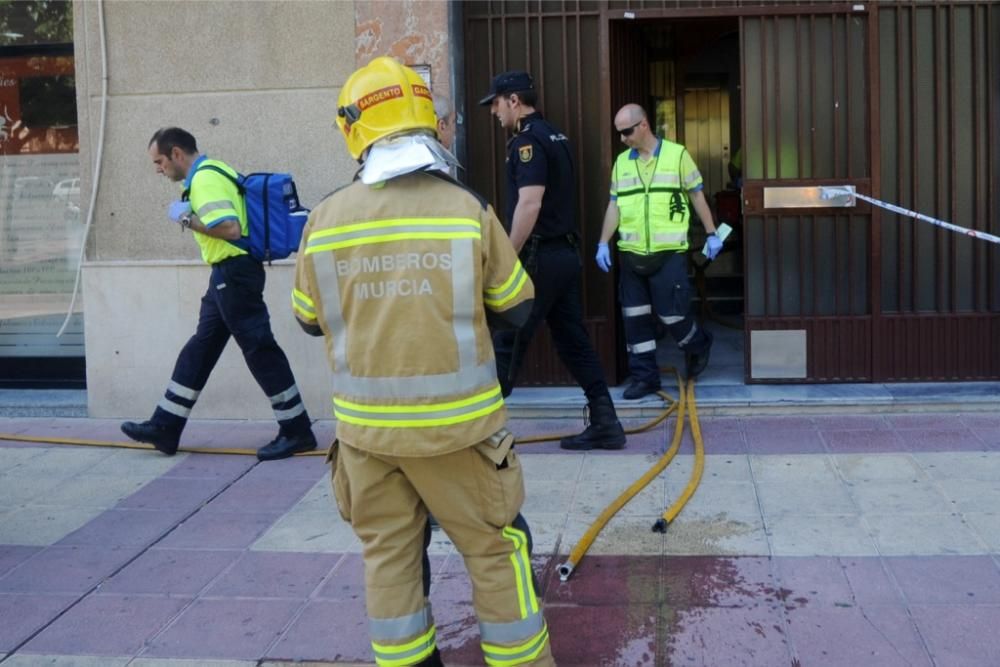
[{"x": 256, "y": 82}]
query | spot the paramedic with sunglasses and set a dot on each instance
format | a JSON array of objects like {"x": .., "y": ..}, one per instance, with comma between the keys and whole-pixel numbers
[{"x": 654, "y": 186}]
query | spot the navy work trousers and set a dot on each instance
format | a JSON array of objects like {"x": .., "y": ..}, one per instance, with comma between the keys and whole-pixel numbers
[
  {"x": 665, "y": 293},
  {"x": 233, "y": 306},
  {"x": 555, "y": 268}
]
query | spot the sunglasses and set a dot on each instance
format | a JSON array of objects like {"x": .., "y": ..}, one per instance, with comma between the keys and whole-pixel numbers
[{"x": 627, "y": 132}]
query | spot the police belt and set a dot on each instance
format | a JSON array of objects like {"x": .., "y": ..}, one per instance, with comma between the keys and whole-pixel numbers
[{"x": 553, "y": 241}]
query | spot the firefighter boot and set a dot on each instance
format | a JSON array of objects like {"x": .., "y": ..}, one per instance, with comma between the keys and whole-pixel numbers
[
  {"x": 164, "y": 438},
  {"x": 604, "y": 431}
]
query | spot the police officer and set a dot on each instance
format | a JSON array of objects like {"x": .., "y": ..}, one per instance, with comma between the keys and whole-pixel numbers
[
  {"x": 541, "y": 221},
  {"x": 233, "y": 306},
  {"x": 654, "y": 185},
  {"x": 400, "y": 271}
]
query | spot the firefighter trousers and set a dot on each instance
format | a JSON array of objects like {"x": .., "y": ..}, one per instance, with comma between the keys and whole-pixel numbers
[
  {"x": 233, "y": 306},
  {"x": 477, "y": 502}
]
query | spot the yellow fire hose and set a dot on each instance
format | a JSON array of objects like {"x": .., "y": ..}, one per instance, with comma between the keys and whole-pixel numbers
[{"x": 686, "y": 403}]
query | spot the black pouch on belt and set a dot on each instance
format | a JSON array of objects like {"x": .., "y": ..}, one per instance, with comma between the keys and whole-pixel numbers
[{"x": 645, "y": 265}]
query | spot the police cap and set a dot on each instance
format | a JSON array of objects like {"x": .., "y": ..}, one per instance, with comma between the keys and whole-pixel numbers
[{"x": 506, "y": 83}]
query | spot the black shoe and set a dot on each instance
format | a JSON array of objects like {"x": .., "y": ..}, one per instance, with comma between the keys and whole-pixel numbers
[
  {"x": 604, "y": 431},
  {"x": 164, "y": 439},
  {"x": 696, "y": 362},
  {"x": 638, "y": 389},
  {"x": 287, "y": 445}
]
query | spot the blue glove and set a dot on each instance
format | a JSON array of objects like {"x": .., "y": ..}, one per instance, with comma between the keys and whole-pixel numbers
[
  {"x": 178, "y": 209},
  {"x": 713, "y": 246},
  {"x": 603, "y": 257}
]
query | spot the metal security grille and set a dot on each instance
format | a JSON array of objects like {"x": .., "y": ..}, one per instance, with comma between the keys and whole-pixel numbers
[
  {"x": 899, "y": 99},
  {"x": 561, "y": 44},
  {"x": 939, "y": 101}
]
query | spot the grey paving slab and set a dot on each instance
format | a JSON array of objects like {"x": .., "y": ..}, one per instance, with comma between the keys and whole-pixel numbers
[
  {"x": 309, "y": 531},
  {"x": 803, "y": 496},
  {"x": 183, "y": 572},
  {"x": 220, "y": 530},
  {"x": 785, "y": 442},
  {"x": 552, "y": 467},
  {"x": 25, "y": 614},
  {"x": 41, "y": 526},
  {"x": 273, "y": 575},
  {"x": 986, "y": 525},
  {"x": 66, "y": 569},
  {"x": 592, "y": 497},
  {"x": 960, "y": 635},
  {"x": 92, "y": 491},
  {"x": 198, "y": 466},
  {"x": 126, "y": 527},
  {"x": 241, "y": 629},
  {"x": 707, "y": 636},
  {"x": 326, "y": 630},
  {"x": 871, "y": 582},
  {"x": 817, "y": 582},
  {"x": 971, "y": 495},
  {"x": 861, "y": 441},
  {"x": 84, "y": 629},
  {"x": 819, "y": 535},
  {"x": 885, "y": 497},
  {"x": 939, "y": 534},
  {"x": 548, "y": 496},
  {"x": 346, "y": 581},
  {"x": 19, "y": 660},
  {"x": 947, "y": 579},
  {"x": 718, "y": 497},
  {"x": 12, "y": 555},
  {"x": 983, "y": 466},
  {"x": 176, "y": 662},
  {"x": 862, "y": 468},
  {"x": 801, "y": 467},
  {"x": 884, "y": 636}
]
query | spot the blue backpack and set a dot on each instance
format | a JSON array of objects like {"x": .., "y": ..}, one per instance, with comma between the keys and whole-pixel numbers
[{"x": 275, "y": 218}]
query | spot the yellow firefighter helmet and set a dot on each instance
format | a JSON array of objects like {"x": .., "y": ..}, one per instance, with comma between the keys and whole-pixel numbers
[{"x": 381, "y": 99}]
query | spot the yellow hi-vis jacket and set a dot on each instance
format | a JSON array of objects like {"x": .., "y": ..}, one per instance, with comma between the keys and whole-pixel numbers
[
  {"x": 654, "y": 212},
  {"x": 398, "y": 277},
  {"x": 215, "y": 199}
]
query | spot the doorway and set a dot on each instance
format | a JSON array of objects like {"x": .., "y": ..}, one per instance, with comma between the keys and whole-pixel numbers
[{"x": 686, "y": 74}]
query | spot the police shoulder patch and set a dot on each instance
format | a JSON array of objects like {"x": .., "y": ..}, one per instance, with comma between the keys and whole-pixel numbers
[{"x": 526, "y": 152}]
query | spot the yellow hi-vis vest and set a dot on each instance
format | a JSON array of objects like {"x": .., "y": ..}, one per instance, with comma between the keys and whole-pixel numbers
[
  {"x": 398, "y": 279},
  {"x": 653, "y": 216}
]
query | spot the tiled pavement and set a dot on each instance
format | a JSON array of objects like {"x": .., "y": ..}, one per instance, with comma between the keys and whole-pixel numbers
[{"x": 850, "y": 539}]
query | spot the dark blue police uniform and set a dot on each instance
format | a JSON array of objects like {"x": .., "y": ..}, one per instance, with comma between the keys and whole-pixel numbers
[{"x": 539, "y": 154}]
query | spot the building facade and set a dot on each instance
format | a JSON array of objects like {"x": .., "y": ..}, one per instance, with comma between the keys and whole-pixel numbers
[{"x": 900, "y": 101}]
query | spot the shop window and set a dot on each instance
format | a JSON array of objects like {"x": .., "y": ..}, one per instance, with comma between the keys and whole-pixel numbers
[{"x": 41, "y": 226}]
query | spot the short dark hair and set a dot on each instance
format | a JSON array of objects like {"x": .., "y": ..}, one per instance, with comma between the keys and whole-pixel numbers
[
  {"x": 166, "y": 138},
  {"x": 529, "y": 98}
]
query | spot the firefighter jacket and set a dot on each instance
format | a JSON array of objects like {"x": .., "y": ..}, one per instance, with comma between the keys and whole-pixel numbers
[
  {"x": 398, "y": 277},
  {"x": 214, "y": 199},
  {"x": 653, "y": 206}
]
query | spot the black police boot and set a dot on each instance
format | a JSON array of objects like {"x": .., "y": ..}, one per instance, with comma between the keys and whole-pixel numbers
[
  {"x": 604, "y": 431},
  {"x": 164, "y": 438},
  {"x": 287, "y": 445},
  {"x": 696, "y": 362},
  {"x": 637, "y": 389}
]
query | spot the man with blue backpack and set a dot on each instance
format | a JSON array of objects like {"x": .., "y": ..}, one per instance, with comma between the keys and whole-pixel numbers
[{"x": 225, "y": 212}]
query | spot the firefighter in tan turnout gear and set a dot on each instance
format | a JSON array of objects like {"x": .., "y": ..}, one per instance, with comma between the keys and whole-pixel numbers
[{"x": 400, "y": 271}]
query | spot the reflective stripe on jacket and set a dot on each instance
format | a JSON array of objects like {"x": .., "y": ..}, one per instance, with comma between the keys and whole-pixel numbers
[
  {"x": 654, "y": 215},
  {"x": 398, "y": 278},
  {"x": 215, "y": 199}
]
